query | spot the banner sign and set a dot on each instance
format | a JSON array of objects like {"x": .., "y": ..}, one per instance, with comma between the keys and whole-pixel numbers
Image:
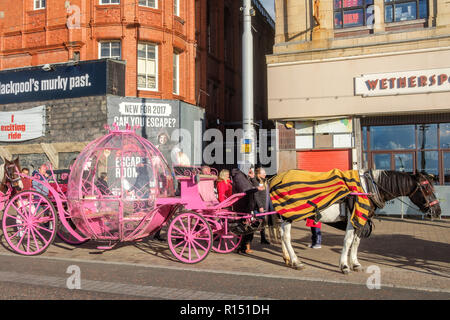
[
  {"x": 409, "y": 82},
  {"x": 156, "y": 118},
  {"x": 22, "y": 125},
  {"x": 59, "y": 81}
]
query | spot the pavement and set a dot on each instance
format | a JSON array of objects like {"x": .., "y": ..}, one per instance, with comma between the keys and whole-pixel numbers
[{"x": 410, "y": 254}]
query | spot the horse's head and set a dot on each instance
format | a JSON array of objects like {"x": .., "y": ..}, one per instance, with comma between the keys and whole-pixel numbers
[
  {"x": 12, "y": 169},
  {"x": 424, "y": 197}
]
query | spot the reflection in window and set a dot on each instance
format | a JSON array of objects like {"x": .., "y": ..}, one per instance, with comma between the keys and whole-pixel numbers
[
  {"x": 351, "y": 13},
  {"x": 392, "y": 137},
  {"x": 401, "y": 10},
  {"x": 404, "y": 162},
  {"x": 444, "y": 135},
  {"x": 364, "y": 138},
  {"x": 428, "y": 161},
  {"x": 427, "y": 136},
  {"x": 446, "y": 162},
  {"x": 382, "y": 161}
]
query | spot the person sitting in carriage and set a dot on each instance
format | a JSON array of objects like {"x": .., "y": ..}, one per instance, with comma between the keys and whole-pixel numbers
[
  {"x": 40, "y": 175},
  {"x": 102, "y": 184},
  {"x": 26, "y": 181}
]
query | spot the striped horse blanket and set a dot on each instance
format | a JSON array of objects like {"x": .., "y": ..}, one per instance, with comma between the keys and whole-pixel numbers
[{"x": 299, "y": 194}]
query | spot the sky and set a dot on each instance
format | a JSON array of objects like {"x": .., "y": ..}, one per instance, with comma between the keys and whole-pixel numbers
[{"x": 269, "y": 6}]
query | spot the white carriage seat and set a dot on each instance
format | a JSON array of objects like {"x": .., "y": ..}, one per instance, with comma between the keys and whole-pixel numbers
[{"x": 206, "y": 189}]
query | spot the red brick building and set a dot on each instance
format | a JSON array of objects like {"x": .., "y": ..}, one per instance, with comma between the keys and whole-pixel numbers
[{"x": 188, "y": 50}]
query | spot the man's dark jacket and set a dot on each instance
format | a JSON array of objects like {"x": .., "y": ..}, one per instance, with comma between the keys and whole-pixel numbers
[{"x": 242, "y": 184}]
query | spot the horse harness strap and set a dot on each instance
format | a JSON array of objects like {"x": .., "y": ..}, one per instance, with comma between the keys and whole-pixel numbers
[
  {"x": 7, "y": 175},
  {"x": 373, "y": 190}
]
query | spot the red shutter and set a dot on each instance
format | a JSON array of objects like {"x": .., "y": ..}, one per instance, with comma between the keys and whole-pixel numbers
[{"x": 324, "y": 160}]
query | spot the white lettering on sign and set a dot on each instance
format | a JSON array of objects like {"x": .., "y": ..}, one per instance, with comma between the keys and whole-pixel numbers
[
  {"x": 145, "y": 109},
  {"x": 129, "y": 166},
  {"x": 33, "y": 85},
  {"x": 421, "y": 81}
]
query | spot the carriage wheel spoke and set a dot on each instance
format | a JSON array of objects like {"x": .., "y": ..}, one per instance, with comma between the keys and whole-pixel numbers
[
  {"x": 199, "y": 245},
  {"x": 37, "y": 206},
  {"x": 21, "y": 239},
  {"x": 195, "y": 249},
  {"x": 41, "y": 236},
  {"x": 28, "y": 241},
  {"x": 18, "y": 210},
  {"x": 179, "y": 231},
  {"x": 35, "y": 240},
  {"x": 40, "y": 213},
  {"x": 182, "y": 224},
  {"x": 182, "y": 251},
  {"x": 189, "y": 251},
  {"x": 196, "y": 223},
  {"x": 204, "y": 228},
  {"x": 42, "y": 228},
  {"x": 179, "y": 244}
]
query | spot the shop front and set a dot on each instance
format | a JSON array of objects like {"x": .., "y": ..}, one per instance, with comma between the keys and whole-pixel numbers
[{"x": 381, "y": 111}]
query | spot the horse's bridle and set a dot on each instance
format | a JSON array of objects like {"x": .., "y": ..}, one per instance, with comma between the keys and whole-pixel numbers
[
  {"x": 421, "y": 185},
  {"x": 10, "y": 179}
]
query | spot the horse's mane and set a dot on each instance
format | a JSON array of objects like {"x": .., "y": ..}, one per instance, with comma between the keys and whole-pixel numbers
[{"x": 393, "y": 184}]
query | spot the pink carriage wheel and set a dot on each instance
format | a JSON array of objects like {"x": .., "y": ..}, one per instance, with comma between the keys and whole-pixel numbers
[
  {"x": 223, "y": 240},
  {"x": 29, "y": 223},
  {"x": 189, "y": 237}
]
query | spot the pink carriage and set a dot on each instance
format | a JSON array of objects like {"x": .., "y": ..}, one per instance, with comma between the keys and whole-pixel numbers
[{"x": 121, "y": 189}]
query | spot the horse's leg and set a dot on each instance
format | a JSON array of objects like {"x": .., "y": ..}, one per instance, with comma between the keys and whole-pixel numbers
[
  {"x": 354, "y": 264},
  {"x": 349, "y": 235},
  {"x": 286, "y": 238},
  {"x": 286, "y": 258}
]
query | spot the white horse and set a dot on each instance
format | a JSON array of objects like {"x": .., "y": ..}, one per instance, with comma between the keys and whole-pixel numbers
[{"x": 390, "y": 185}]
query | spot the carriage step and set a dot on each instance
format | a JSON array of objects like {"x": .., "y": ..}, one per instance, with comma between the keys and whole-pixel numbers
[{"x": 105, "y": 247}]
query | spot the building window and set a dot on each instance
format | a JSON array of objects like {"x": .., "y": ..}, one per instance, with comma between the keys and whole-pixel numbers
[
  {"x": 351, "y": 13},
  {"x": 109, "y": 1},
  {"x": 39, "y": 4},
  {"x": 176, "y": 7},
  {"x": 409, "y": 148},
  {"x": 147, "y": 66},
  {"x": 404, "y": 10},
  {"x": 110, "y": 50},
  {"x": 176, "y": 73},
  {"x": 148, "y": 3}
]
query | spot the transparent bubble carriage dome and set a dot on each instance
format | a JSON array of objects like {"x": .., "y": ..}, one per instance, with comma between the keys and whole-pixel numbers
[{"x": 114, "y": 184}]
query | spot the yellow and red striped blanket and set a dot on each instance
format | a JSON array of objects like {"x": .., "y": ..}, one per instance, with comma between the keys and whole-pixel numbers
[{"x": 295, "y": 194}]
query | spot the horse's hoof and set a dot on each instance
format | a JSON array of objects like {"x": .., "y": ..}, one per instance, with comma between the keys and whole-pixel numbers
[
  {"x": 345, "y": 270},
  {"x": 287, "y": 262},
  {"x": 358, "y": 268},
  {"x": 299, "y": 266}
]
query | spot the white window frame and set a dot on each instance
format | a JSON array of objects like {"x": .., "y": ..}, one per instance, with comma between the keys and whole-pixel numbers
[
  {"x": 42, "y": 4},
  {"x": 156, "y": 67},
  {"x": 101, "y": 2},
  {"x": 110, "y": 57},
  {"x": 176, "y": 73},
  {"x": 176, "y": 7},
  {"x": 148, "y": 6}
]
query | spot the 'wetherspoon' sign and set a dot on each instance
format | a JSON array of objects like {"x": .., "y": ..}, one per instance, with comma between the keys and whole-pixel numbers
[
  {"x": 409, "y": 82},
  {"x": 22, "y": 125}
]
